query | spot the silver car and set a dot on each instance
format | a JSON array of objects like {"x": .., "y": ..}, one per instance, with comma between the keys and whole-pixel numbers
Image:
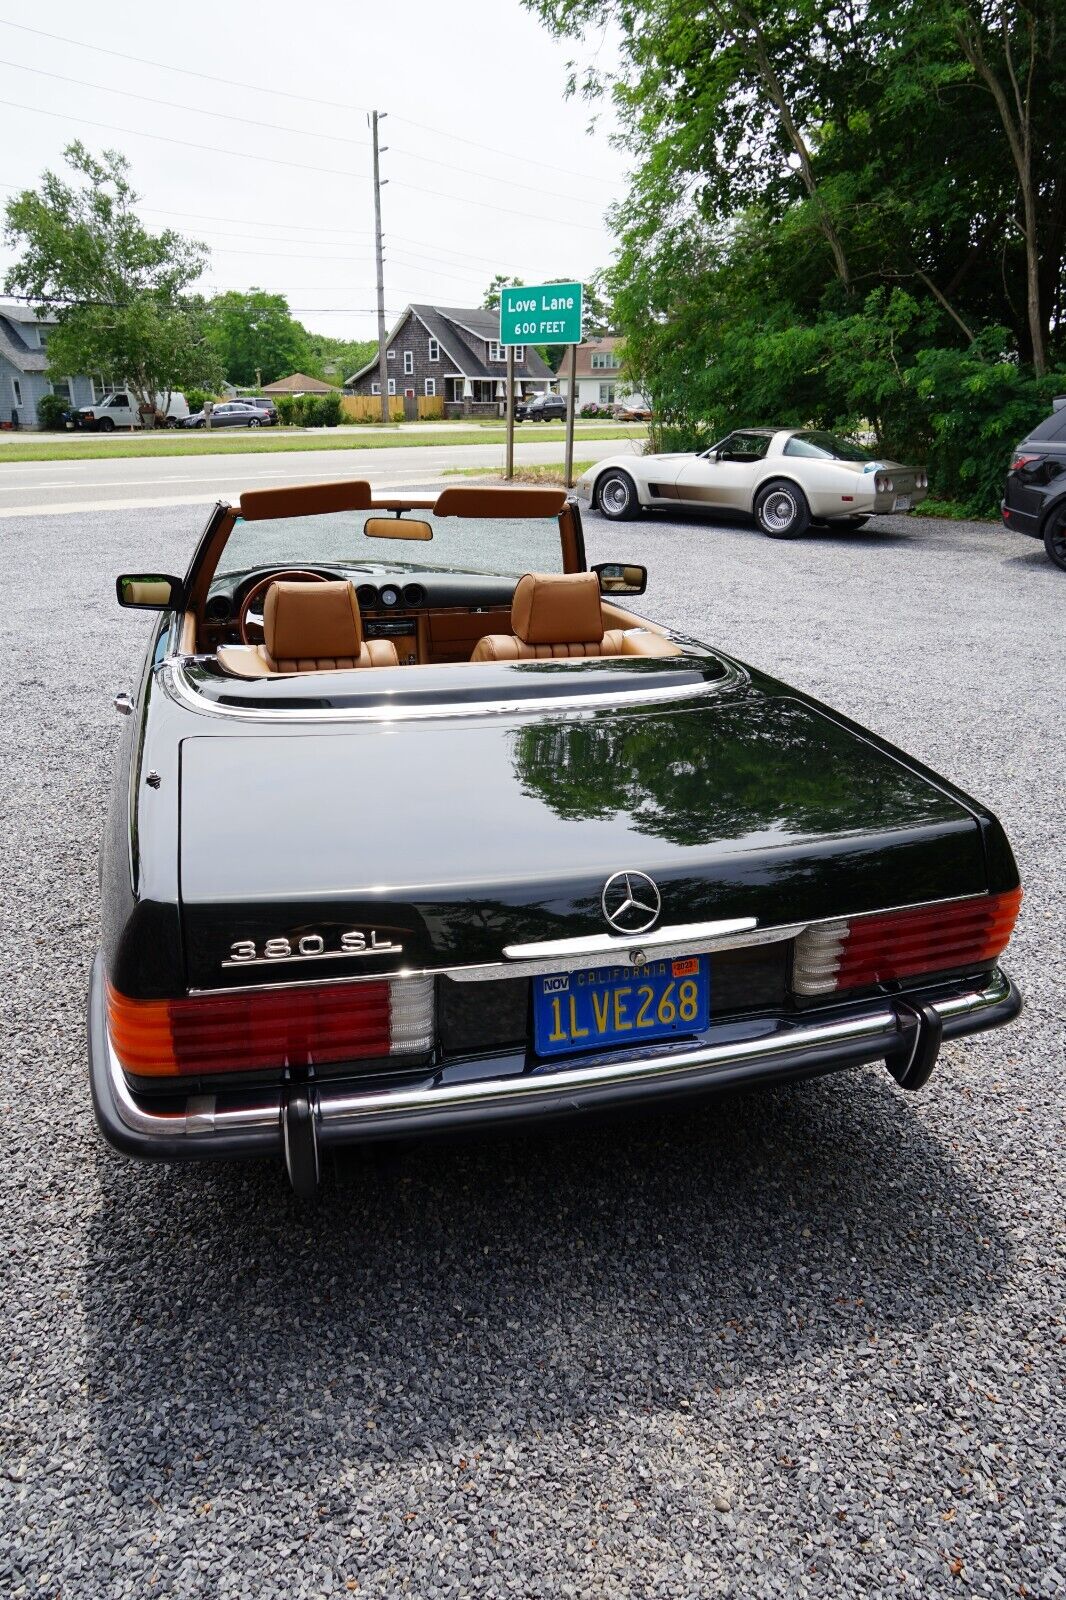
[{"x": 786, "y": 478}]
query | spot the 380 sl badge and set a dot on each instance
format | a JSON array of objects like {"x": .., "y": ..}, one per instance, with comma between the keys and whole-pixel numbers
[{"x": 309, "y": 947}]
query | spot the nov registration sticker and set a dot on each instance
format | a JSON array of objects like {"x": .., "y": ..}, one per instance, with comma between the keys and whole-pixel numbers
[{"x": 596, "y": 1008}]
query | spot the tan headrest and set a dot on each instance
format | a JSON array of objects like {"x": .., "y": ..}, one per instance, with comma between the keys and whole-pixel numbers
[
  {"x": 557, "y": 608},
  {"x": 309, "y": 621}
]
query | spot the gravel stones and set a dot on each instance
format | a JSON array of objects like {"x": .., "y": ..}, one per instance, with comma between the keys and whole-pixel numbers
[{"x": 797, "y": 1341}]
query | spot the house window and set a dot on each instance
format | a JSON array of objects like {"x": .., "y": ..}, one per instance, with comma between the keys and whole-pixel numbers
[
  {"x": 604, "y": 359},
  {"x": 434, "y": 350},
  {"x": 607, "y": 391},
  {"x": 392, "y": 386},
  {"x": 408, "y": 362},
  {"x": 431, "y": 387},
  {"x": 16, "y": 389},
  {"x": 390, "y": 355},
  {"x": 519, "y": 353},
  {"x": 61, "y": 388},
  {"x": 497, "y": 351},
  {"x": 409, "y": 394},
  {"x": 375, "y": 388}
]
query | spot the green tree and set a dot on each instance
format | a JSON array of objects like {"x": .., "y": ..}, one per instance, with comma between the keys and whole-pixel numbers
[
  {"x": 116, "y": 291},
  {"x": 254, "y": 336}
]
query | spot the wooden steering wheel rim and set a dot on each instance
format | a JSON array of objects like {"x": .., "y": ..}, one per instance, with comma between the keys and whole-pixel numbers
[{"x": 296, "y": 575}]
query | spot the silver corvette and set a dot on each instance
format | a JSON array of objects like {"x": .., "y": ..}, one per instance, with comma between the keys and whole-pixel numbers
[{"x": 786, "y": 478}]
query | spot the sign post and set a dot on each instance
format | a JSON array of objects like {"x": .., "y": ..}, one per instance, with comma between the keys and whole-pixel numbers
[{"x": 545, "y": 313}]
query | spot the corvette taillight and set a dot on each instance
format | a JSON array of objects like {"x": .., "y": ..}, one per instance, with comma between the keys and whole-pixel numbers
[
  {"x": 867, "y": 950},
  {"x": 297, "y": 1027}
]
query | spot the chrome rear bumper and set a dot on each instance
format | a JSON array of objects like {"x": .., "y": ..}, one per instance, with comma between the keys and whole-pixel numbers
[{"x": 729, "y": 1055}]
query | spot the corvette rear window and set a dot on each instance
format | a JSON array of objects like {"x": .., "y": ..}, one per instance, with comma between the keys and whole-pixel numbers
[
  {"x": 825, "y": 447},
  {"x": 459, "y": 544}
]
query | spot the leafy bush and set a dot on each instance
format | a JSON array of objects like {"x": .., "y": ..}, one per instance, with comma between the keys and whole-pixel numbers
[
  {"x": 311, "y": 411},
  {"x": 592, "y": 409},
  {"x": 286, "y": 404},
  {"x": 198, "y": 398},
  {"x": 330, "y": 409},
  {"x": 51, "y": 410}
]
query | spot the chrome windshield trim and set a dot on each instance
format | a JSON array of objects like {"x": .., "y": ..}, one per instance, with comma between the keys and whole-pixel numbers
[
  {"x": 351, "y": 1111},
  {"x": 177, "y": 685}
]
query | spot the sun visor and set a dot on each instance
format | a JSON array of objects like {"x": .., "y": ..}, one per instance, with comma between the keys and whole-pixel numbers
[
  {"x": 475, "y": 502},
  {"x": 306, "y": 500}
]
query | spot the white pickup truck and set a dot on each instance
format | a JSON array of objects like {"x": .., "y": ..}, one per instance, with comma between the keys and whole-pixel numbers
[{"x": 119, "y": 410}]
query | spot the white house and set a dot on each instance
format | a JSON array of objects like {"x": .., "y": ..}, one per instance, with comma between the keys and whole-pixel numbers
[{"x": 599, "y": 375}]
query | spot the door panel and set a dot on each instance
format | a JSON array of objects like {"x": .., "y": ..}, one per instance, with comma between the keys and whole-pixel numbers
[{"x": 705, "y": 482}]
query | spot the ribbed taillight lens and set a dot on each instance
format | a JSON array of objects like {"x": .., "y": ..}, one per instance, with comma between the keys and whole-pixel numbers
[
  {"x": 272, "y": 1028},
  {"x": 903, "y": 944}
]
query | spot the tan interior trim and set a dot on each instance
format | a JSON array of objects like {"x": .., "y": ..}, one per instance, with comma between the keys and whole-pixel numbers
[
  {"x": 306, "y": 500},
  {"x": 489, "y": 501},
  {"x": 188, "y": 634}
]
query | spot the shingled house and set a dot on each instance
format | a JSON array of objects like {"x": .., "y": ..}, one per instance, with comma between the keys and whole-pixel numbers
[
  {"x": 24, "y": 367},
  {"x": 454, "y": 355}
]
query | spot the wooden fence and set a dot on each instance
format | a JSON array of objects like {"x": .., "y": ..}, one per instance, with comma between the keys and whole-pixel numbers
[{"x": 367, "y": 407}]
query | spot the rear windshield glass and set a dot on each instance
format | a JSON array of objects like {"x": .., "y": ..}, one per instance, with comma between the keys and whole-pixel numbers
[
  {"x": 1053, "y": 427},
  {"x": 825, "y": 446},
  {"x": 459, "y": 544}
]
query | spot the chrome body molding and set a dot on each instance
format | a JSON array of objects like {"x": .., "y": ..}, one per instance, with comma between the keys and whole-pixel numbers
[
  {"x": 177, "y": 685},
  {"x": 687, "y": 938},
  {"x": 341, "y": 1114}
]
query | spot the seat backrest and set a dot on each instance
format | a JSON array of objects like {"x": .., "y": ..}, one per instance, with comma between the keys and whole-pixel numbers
[
  {"x": 553, "y": 615},
  {"x": 309, "y": 627}
]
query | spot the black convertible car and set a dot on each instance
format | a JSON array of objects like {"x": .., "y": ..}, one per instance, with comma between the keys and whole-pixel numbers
[{"x": 400, "y": 845}]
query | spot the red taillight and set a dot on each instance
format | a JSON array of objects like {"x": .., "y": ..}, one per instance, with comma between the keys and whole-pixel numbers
[
  {"x": 862, "y": 951},
  {"x": 272, "y": 1028},
  {"x": 1022, "y": 461}
]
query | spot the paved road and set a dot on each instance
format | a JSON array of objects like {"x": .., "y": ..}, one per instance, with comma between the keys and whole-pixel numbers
[
  {"x": 802, "y": 1341},
  {"x": 43, "y": 488}
]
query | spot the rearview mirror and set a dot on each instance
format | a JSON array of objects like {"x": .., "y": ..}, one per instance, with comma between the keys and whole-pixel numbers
[
  {"x": 397, "y": 528},
  {"x": 149, "y": 591},
  {"x": 618, "y": 577}
]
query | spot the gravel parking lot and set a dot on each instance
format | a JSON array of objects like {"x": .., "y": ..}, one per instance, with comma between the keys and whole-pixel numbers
[{"x": 802, "y": 1341}]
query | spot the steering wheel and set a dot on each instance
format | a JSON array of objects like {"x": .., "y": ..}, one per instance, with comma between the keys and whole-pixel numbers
[{"x": 258, "y": 590}]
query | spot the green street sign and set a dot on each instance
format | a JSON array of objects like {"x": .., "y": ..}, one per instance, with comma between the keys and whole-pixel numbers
[{"x": 547, "y": 313}]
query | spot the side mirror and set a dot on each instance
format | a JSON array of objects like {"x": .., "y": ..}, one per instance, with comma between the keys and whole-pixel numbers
[
  {"x": 150, "y": 591},
  {"x": 617, "y": 577}
]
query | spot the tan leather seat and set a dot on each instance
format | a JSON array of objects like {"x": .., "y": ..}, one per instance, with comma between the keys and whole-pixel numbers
[
  {"x": 309, "y": 627},
  {"x": 552, "y": 615},
  {"x": 560, "y": 615}
]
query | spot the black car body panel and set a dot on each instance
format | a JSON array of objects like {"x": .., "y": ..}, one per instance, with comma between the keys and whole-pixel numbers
[
  {"x": 447, "y": 823},
  {"x": 1036, "y": 482}
]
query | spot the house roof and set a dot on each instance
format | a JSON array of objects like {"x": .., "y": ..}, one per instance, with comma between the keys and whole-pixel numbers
[
  {"x": 299, "y": 383},
  {"x": 460, "y": 332},
  {"x": 13, "y": 345},
  {"x": 608, "y": 345}
]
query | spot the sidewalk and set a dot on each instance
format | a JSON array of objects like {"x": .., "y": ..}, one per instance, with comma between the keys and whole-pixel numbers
[{"x": 368, "y": 430}]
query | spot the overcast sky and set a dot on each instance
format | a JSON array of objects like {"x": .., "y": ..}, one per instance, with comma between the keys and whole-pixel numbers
[{"x": 490, "y": 169}]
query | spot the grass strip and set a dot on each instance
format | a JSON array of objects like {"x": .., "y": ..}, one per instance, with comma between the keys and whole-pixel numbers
[{"x": 95, "y": 447}]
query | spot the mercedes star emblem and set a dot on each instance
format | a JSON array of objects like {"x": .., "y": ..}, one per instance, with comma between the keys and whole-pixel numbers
[{"x": 631, "y": 902}]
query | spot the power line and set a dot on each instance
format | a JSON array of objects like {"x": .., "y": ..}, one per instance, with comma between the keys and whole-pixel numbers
[
  {"x": 285, "y": 94},
  {"x": 283, "y": 127},
  {"x": 302, "y": 166}
]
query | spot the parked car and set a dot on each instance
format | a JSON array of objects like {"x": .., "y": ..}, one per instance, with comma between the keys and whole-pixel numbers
[
  {"x": 232, "y": 414},
  {"x": 119, "y": 410},
  {"x": 544, "y": 407},
  {"x": 786, "y": 478},
  {"x": 262, "y": 403},
  {"x": 1035, "y": 499},
  {"x": 320, "y": 921},
  {"x": 634, "y": 412}
]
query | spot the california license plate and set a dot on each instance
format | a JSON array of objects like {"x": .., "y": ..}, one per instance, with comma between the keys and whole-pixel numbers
[
  {"x": 902, "y": 502},
  {"x": 597, "y": 1007}
]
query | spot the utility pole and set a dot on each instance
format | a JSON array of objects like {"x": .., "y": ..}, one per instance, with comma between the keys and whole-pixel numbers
[{"x": 383, "y": 360}]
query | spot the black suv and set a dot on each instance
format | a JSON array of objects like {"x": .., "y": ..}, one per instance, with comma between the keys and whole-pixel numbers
[
  {"x": 1035, "y": 501},
  {"x": 545, "y": 406}
]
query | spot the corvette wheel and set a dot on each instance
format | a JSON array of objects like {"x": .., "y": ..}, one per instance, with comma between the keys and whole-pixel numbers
[
  {"x": 1055, "y": 540},
  {"x": 781, "y": 510},
  {"x": 617, "y": 496}
]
